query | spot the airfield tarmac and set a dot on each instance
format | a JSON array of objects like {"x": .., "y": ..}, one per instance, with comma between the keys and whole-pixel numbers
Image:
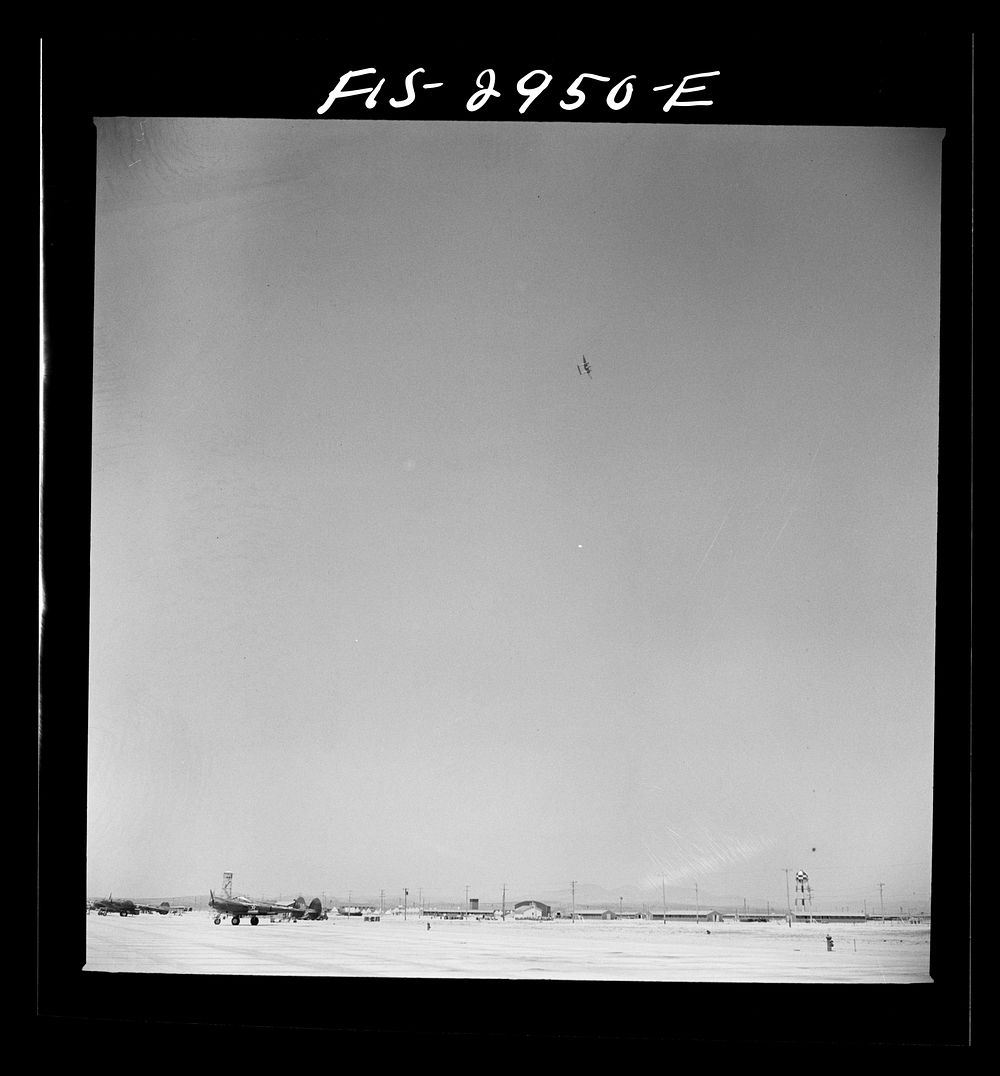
[{"x": 624, "y": 950}]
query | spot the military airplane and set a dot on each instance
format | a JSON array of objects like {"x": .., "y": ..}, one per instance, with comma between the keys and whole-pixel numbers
[
  {"x": 586, "y": 368},
  {"x": 241, "y": 907},
  {"x": 127, "y": 907}
]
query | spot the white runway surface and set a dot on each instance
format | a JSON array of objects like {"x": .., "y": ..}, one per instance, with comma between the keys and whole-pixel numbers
[{"x": 623, "y": 950}]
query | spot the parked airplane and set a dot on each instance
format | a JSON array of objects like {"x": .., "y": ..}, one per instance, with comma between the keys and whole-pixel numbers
[
  {"x": 122, "y": 907},
  {"x": 586, "y": 368},
  {"x": 240, "y": 907},
  {"x": 127, "y": 907}
]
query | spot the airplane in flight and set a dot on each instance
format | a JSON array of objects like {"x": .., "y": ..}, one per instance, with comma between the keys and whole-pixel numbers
[
  {"x": 127, "y": 907},
  {"x": 586, "y": 367},
  {"x": 241, "y": 907}
]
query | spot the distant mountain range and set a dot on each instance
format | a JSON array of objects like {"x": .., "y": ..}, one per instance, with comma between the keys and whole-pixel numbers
[{"x": 587, "y": 895}]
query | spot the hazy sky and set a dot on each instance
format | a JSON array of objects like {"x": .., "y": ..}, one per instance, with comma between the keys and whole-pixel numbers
[{"x": 385, "y": 593}]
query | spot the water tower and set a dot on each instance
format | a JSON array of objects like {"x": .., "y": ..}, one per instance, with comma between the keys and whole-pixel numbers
[{"x": 803, "y": 895}]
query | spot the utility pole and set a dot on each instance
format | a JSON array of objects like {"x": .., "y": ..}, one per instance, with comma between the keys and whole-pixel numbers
[
  {"x": 406, "y": 893},
  {"x": 573, "y": 888},
  {"x": 503, "y": 907},
  {"x": 466, "y": 898},
  {"x": 663, "y": 883},
  {"x": 788, "y": 896},
  {"x": 620, "y": 907},
  {"x": 880, "y": 903},
  {"x": 381, "y": 902}
]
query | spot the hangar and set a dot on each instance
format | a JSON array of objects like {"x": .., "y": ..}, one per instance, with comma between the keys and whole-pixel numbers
[{"x": 532, "y": 909}]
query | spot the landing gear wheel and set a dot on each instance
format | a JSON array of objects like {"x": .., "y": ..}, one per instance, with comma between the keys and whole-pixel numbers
[
  {"x": 236, "y": 920},
  {"x": 254, "y": 920},
  {"x": 216, "y": 920}
]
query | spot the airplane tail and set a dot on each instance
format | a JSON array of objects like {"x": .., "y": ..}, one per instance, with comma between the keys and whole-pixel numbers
[
  {"x": 312, "y": 910},
  {"x": 164, "y": 908}
]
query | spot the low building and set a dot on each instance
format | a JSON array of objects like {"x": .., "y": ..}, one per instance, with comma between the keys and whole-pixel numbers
[
  {"x": 700, "y": 915},
  {"x": 826, "y": 917},
  {"x": 459, "y": 913}
]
